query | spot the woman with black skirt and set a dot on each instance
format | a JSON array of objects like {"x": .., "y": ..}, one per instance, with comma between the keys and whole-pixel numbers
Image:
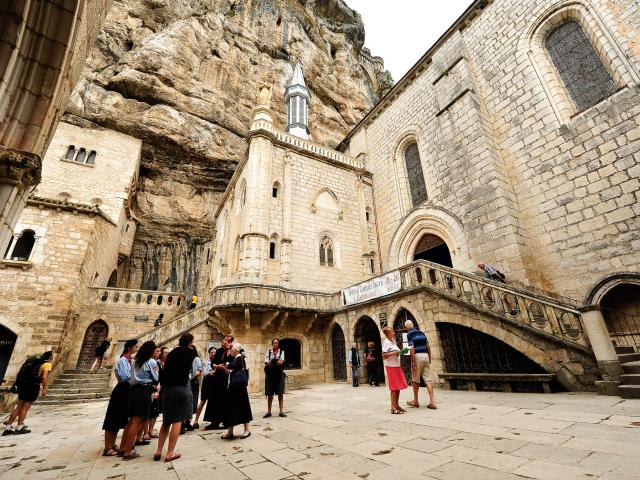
[
  {"x": 117, "y": 415},
  {"x": 217, "y": 386},
  {"x": 177, "y": 402},
  {"x": 207, "y": 376},
  {"x": 238, "y": 408},
  {"x": 144, "y": 378}
]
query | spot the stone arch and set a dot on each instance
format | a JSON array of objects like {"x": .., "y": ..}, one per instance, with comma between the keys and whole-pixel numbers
[
  {"x": 608, "y": 283},
  {"x": 410, "y": 135},
  {"x": 93, "y": 335},
  {"x": 320, "y": 238},
  {"x": 20, "y": 347},
  {"x": 433, "y": 220},
  {"x": 366, "y": 329},
  {"x": 304, "y": 347},
  {"x": 601, "y": 38},
  {"x": 33, "y": 68},
  {"x": 113, "y": 279},
  {"x": 529, "y": 349},
  {"x": 327, "y": 200},
  {"x": 338, "y": 347}
]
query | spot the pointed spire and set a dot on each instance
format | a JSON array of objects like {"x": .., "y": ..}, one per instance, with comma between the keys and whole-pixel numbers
[
  {"x": 297, "y": 97},
  {"x": 298, "y": 77}
]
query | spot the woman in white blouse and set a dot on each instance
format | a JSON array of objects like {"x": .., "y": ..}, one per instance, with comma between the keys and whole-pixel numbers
[{"x": 395, "y": 375}]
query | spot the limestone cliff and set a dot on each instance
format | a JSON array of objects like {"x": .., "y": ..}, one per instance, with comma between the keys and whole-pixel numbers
[{"x": 182, "y": 75}]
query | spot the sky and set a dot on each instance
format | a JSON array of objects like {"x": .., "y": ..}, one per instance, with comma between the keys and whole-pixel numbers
[{"x": 401, "y": 31}]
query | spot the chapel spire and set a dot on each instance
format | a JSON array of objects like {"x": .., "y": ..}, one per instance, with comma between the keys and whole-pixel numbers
[{"x": 297, "y": 97}]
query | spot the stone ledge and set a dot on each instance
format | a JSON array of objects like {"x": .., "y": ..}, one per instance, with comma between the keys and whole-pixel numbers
[
  {"x": 24, "y": 265},
  {"x": 90, "y": 165},
  {"x": 20, "y": 167}
]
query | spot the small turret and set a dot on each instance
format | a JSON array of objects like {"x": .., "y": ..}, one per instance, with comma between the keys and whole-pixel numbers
[{"x": 297, "y": 97}]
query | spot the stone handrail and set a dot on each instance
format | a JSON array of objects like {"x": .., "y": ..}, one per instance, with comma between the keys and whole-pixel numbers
[
  {"x": 247, "y": 295},
  {"x": 545, "y": 315},
  {"x": 177, "y": 326},
  {"x": 137, "y": 297}
]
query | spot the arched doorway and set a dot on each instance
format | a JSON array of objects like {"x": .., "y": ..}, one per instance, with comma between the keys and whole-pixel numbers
[
  {"x": 113, "y": 280},
  {"x": 621, "y": 311},
  {"x": 338, "y": 353},
  {"x": 95, "y": 334},
  {"x": 466, "y": 350},
  {"x": 7, "y": 342},
  {"x": 367, "y": 331},
  {"x": 398, "y": 326},
  {"x": 433, "y": 249}
]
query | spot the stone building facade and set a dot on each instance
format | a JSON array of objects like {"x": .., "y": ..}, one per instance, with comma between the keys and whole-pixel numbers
[{"x": 514, "y": 140}]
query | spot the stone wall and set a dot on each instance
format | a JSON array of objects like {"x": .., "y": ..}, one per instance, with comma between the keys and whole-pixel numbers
[{"x": 551, "y": 199}]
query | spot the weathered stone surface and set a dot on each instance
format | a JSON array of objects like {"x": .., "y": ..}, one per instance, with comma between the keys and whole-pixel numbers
[{"x": 183, "y": 75}]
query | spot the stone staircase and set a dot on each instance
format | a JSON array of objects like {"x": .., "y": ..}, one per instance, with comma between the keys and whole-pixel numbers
[
  {"x": 78, "y": 386},
  {"x": 630, "y": 379}
]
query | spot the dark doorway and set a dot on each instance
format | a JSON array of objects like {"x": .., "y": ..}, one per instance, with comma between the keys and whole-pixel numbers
[
  {"x": 398, "y": 326},
  {"x": 94, "y": 335},
  {"x": 621, "y": 311},
  {"x": 339, "y": 352},
  {"x": 7, "y": 342},
  {"x": 367, "y": 331},
  {"x": 292, "y": 353},
  {"x": 113, "y": 280},
  {"x": 433, "y": 249},
  {"x": 466, "y": 350}
]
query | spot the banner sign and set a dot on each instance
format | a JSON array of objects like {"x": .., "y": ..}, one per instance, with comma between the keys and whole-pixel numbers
[{"x": 374, "y": 288}]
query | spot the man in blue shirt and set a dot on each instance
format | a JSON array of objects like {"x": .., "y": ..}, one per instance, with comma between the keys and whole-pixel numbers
[{"x": 420, "y": 364}]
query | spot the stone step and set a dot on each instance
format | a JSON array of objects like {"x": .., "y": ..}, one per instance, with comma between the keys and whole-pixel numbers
[
  {"x": 631, "y": 367},
  {"x": 44, "y": 401},
  {"x": 620, "y": 350},
  {"x": 71, "y": 384},
  {"x": 629, "y": 391},
  {"x": 628, "y": 357},
  {"x": 76, "y": 396},
  {"x": 56, "y": 389},
  {"x": 630, "y": 379},
  {"x": 83, "y": 377}
]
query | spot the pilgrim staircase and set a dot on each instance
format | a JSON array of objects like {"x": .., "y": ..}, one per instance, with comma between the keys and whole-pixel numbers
[{"x": 78, "y": 386}]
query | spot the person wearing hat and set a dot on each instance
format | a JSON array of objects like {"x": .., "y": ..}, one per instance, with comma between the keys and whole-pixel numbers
[{"x": 117, "y": 416}]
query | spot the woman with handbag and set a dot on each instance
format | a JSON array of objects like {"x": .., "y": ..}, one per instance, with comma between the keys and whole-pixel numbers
[
  {"x": 238, "y": 408},
  {"x": 218, "y": 385}
]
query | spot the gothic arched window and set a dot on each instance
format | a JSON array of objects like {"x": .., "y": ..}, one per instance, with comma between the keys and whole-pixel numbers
[
  {"x": 579, "y": 65},
  {"x": 326, "y": 252},
  {"x": 71, "y": 152},
  {"x": 82, "y": 153},
  {"x": 24, "y": 246},
  {"x": 91, "y": 159},
  {"x": 415, "y": 174}
]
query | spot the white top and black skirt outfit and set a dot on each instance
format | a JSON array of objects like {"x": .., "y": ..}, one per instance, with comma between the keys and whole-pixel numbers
[
  {"x": 117, "y": 415},
  {"x": 274, "y": 378},
  {"x": 143, "y": 385}
]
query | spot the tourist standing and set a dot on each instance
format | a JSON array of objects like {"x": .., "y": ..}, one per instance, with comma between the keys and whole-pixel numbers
[
  {"x": 370, "y": 358},
  {"x": 101, "y": 354},
  {"x": 117, "y": 416},
  {"x": 144, "y": 378},
  {"x": 218, "y": 387},
  {"x": 395, "y": 375},
  {"x": 32, "y": 377},
  {"x": 238, "y": 407},
  {"x": 354, "y": 364},
  {"x": 274, "y": 378},
  {"x": 176, "y": 396},
  {"x": 207, "y": 377},
  {"x": 155, "y": 401},
  {"x": 194, "y": 382},
  {"x": 420, "y": 364},
  {"x": 194, "y": 301}
]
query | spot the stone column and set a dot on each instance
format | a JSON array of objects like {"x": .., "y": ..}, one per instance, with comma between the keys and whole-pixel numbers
[
  {"x": 285, "y": 252},
  {"x": 366, "y": 248},
  {"x": 606, "y": 356},
  {"x": 19, "y": 172}
]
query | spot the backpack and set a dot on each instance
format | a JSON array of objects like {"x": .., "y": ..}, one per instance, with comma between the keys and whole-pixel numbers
[{"x": 30, "y": 370}]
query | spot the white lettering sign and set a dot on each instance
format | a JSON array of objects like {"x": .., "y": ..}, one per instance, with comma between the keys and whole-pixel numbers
[{"x": 374, "y": 288}]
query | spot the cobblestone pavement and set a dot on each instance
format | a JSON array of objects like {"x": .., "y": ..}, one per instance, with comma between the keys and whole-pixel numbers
[{"x": 338, "y": 432}]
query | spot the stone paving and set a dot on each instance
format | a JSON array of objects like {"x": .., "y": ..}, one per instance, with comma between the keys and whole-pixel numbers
[{"x": 334, "y": 431}]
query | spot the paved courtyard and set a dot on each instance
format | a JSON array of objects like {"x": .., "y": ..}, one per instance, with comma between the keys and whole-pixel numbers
[{"x": 338, "y": 432}]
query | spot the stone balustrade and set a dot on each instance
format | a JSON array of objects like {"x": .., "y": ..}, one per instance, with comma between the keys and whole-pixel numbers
[
  {"x": 177, "y": 326},
  {"x": 277, "y": 298},
  {"x": 536, "y": 312},
  {"x": 137, "y": 298}
]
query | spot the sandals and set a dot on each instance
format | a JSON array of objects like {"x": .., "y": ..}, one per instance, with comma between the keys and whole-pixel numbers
[
  {"x": 413, "y": 404},
  {"x": 131, "y": 456},
  {"x": 401, "y": 410},
  {"x": 245, "y": 435},
  {"x": 397, "y": 412},
  {"x": 175, "y": 457},
  {"x": 139, "y": 443},
  {"x": 228, "y": 437},
  {"x": 156, "y": 457},
  {"x": 432, "y": 406},
  {"x": 110, "y": 453}
]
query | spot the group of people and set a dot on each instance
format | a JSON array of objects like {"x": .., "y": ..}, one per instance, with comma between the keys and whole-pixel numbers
[
  {"x": 420, "y": 353},
  {"x": 153, "y": 381}
]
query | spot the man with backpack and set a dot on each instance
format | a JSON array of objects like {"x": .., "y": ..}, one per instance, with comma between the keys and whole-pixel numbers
[{"x": 32, "y": 376}]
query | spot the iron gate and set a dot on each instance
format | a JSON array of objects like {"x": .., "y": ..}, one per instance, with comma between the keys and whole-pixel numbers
[{"x": 338, "y": 350}]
